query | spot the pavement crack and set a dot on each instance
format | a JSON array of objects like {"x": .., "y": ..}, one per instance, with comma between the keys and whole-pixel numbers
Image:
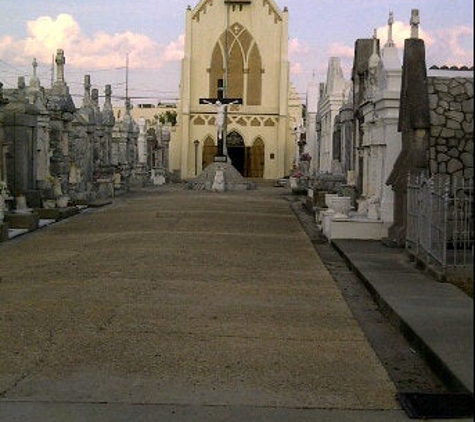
[{"x": 15, "y": 383}]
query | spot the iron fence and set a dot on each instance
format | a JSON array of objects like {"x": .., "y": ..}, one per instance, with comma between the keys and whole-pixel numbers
[{"x": 439, "y": 223}]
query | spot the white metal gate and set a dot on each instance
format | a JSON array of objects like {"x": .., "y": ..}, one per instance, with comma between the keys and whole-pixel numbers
[{"x": 440, "y": 220}]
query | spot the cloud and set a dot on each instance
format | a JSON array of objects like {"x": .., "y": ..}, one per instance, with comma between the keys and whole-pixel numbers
[
  {"x": 401, "y": 31},
  {"x": 453, "y": 46},
  {"x": 340, "y": 50},
  {"x": 45, "y": 33},
  {"x": 296, "y": 68},
  {"x": 7, "y": 48},
  {"x": 175, "y": 50},
  {"x": 450, "y": 46},
  {"x": 99, "y": 51},
  {"x": 296, "y": 47}
]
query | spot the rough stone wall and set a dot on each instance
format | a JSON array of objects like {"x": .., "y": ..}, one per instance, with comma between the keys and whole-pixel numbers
[{"x": 451, "y": 134}]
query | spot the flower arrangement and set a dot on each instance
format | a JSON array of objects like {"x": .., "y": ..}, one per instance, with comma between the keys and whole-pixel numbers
[
  {"x": 305, "y": 157},
  {"x": 298, "y": 174},
  {"x": 4, "y": 191}
]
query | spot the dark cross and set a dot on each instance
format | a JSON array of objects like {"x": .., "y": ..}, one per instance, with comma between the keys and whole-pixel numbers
[{"x": 221, "y": 120}]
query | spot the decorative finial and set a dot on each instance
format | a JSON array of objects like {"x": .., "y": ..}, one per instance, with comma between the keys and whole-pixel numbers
[
  {"x": 375, "y": 41},
  {"x": 415, "y": 21},
  {"x": 87, "y": 83},
  {"x": 87, "y": 91},
  {"x": 390, "y": 41},
  {"x": 95, "y": 96},
  {"x": 374, "y": 59},
  {"x": 21, "y": 82},
  {"x": 108, "y": 92}
]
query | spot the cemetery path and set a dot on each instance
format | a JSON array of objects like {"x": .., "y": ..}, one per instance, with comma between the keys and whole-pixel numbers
[{"x": 180, "y": 298}]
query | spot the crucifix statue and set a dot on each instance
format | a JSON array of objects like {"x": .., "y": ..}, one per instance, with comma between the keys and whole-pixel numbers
[{"x": 221, "y": 120}]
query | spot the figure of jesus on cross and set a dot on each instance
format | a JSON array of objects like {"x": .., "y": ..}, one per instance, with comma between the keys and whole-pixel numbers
[{"x": 221, "y": 118}]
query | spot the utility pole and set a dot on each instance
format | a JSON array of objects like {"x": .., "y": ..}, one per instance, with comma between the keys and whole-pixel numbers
[
  {"x": 52, "y": 71},
  {"x": 127, "y": 76}
]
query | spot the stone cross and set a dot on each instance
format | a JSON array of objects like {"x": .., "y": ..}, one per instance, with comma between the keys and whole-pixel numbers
[
  {"x": 390, "y": 42},
  {"x": 34, "y": 81},
  {"x": 60, "y": 62},
  {"x": 415, "y": 21}
]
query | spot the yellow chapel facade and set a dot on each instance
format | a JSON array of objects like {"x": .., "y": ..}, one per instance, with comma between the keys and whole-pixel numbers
[{"x": 236, "y": 49}]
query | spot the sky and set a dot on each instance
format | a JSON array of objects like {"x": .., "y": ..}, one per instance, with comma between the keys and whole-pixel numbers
[{"x": 97, "y": 36}]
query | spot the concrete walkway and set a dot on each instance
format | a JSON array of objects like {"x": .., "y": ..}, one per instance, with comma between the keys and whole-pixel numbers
[
  {"x": 436, "y": 317},
  {"x": 172, "y": 305}
]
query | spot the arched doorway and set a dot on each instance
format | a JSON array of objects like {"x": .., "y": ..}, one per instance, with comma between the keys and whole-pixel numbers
[
  {"x": 249, "y": 161},
  {"x": 237, "y": 151},
  {"x": 209, "y": 152},
  {"x": 256, "y": 159}
]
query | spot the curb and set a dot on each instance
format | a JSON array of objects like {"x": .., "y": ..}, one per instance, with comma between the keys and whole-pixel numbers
[{"x": 430, "y": 356}]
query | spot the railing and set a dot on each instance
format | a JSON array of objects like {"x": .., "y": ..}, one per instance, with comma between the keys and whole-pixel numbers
[{"x": 439, "y": 220}]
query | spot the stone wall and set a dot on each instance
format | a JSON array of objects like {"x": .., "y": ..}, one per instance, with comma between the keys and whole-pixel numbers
[{"x": 451, "y": 134}]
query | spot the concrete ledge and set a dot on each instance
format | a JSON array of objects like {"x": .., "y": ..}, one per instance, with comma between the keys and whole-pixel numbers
[
  {"x": 358, "y": 229},
  {"x": 56, "y": 213},
  {"x": 100, "y": 203},
  {"x": 123, "y": 412},
  {"x": 3, "y": 231},
  {"x": 437, "y": 318},
  {"x": 23, "y": 221}
]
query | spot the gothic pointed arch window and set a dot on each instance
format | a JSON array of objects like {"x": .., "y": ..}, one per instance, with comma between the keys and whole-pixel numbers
[{"x": 243, "y": 58}]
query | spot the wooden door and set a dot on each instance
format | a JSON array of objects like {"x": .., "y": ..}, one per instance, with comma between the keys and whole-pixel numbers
[
  {"x": 209, "y": 152},
  {"x": 257, "y": 159}
]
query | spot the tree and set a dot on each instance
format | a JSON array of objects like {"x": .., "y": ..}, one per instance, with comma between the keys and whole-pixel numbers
[{"x": 168, "y": 117}]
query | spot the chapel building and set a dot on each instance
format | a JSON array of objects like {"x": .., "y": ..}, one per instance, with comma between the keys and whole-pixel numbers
[{"x": 236, "y": 49}]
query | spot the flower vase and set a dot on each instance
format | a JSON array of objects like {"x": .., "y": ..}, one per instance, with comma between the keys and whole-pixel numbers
[
  {"x": 62, "y": 201},
  {"x": 294, "y": 183}
]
